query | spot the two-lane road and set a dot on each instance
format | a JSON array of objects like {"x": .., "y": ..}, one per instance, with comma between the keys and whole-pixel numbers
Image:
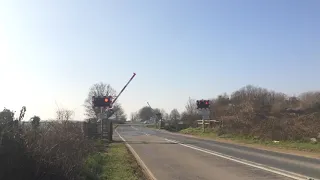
[{"x": 170, "y": 156}]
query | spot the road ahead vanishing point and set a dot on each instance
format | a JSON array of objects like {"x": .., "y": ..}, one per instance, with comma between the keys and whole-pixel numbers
[{"x": 168, "y": 156}]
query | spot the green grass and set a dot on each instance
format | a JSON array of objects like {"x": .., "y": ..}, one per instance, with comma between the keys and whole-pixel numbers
[
  {"x": 94, "y": 166},
  {"x": 115, "y": 164},
  {"x": 121, "y": 164},
  {"x": 294, "y": 145}
]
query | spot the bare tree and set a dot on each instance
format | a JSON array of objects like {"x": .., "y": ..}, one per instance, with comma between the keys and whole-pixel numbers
[
  {"x": 35, "y": 121},
  {"x": 6, "y": 117},
  {"x": 119, "y": 114},
  {"x": 310, "y": 99},
  {"x": 165, "y": 115},
  {"x": 134, "y": 116},
  {"x": 145, "y": 113},
  {"x": 68, "y": 114},
  {"x": 98, "y": 89},
  {"x": 174, "y": 115},
  {"x": 220, "y": 106},
  {"x": 59, "y": 114},
  {"x": 156, "y": 110},
  {"x": 191, "y": 113},
  {"x": 191, "y": 107},
  {"x": 64, "y": 114}
]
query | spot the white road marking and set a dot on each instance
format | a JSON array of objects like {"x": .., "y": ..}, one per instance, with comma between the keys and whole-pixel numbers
[
  {"x": 245, "y": 162},
  {"x": 140, "y": 131},
  {"x": 135, "y": 128},
  {"x": 142, "y": 164}
]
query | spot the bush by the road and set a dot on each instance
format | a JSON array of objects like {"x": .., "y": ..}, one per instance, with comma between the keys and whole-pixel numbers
[
  {"x": 54, "y": 151},
  {"x": 269, "y": 115},
  {"x": 59, "y": 150}
]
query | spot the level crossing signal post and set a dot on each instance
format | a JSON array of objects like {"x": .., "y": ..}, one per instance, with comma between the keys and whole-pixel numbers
[
  {"x": 104, "y": 104},
  {"x": 204, "y": 109},
  {"x": 160, "y": 121}
]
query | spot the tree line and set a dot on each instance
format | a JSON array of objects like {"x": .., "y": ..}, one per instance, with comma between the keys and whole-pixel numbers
[{"x": 253, "y": 111}]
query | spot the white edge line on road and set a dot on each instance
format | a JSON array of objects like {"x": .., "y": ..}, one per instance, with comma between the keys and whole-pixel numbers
[
  {"x": 139, "y": 160},
  {"x": 248, "y": 163}
]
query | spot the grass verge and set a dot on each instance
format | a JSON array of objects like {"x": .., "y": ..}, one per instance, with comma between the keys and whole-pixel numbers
[
  {"x": 288, "y": 145},
  {"x": 115, "y": 164}
]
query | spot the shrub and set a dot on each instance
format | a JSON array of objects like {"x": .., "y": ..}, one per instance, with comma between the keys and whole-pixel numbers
[
  {"x": 53, "y": 150},
  {"x": 256, "y": 111}
]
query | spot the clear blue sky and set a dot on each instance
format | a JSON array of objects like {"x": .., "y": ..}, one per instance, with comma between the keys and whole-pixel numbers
[{"x": 53, "y": 51}]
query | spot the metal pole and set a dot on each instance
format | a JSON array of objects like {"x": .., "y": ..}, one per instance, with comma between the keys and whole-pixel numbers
[
  {"x": 203, "y": 125},
  {"x": 110, "y": 131},
  {"x": 101, "y": 119}
]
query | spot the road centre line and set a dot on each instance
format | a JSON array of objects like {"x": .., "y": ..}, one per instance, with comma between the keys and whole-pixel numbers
[
  {"x": 140, "y": 131},
  {"x": 245, "y": 162},
  {"x": 135, "y": 128}
]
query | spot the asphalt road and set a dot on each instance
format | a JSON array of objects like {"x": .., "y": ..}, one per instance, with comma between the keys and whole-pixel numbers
[{"x": 170, "y": 156}]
